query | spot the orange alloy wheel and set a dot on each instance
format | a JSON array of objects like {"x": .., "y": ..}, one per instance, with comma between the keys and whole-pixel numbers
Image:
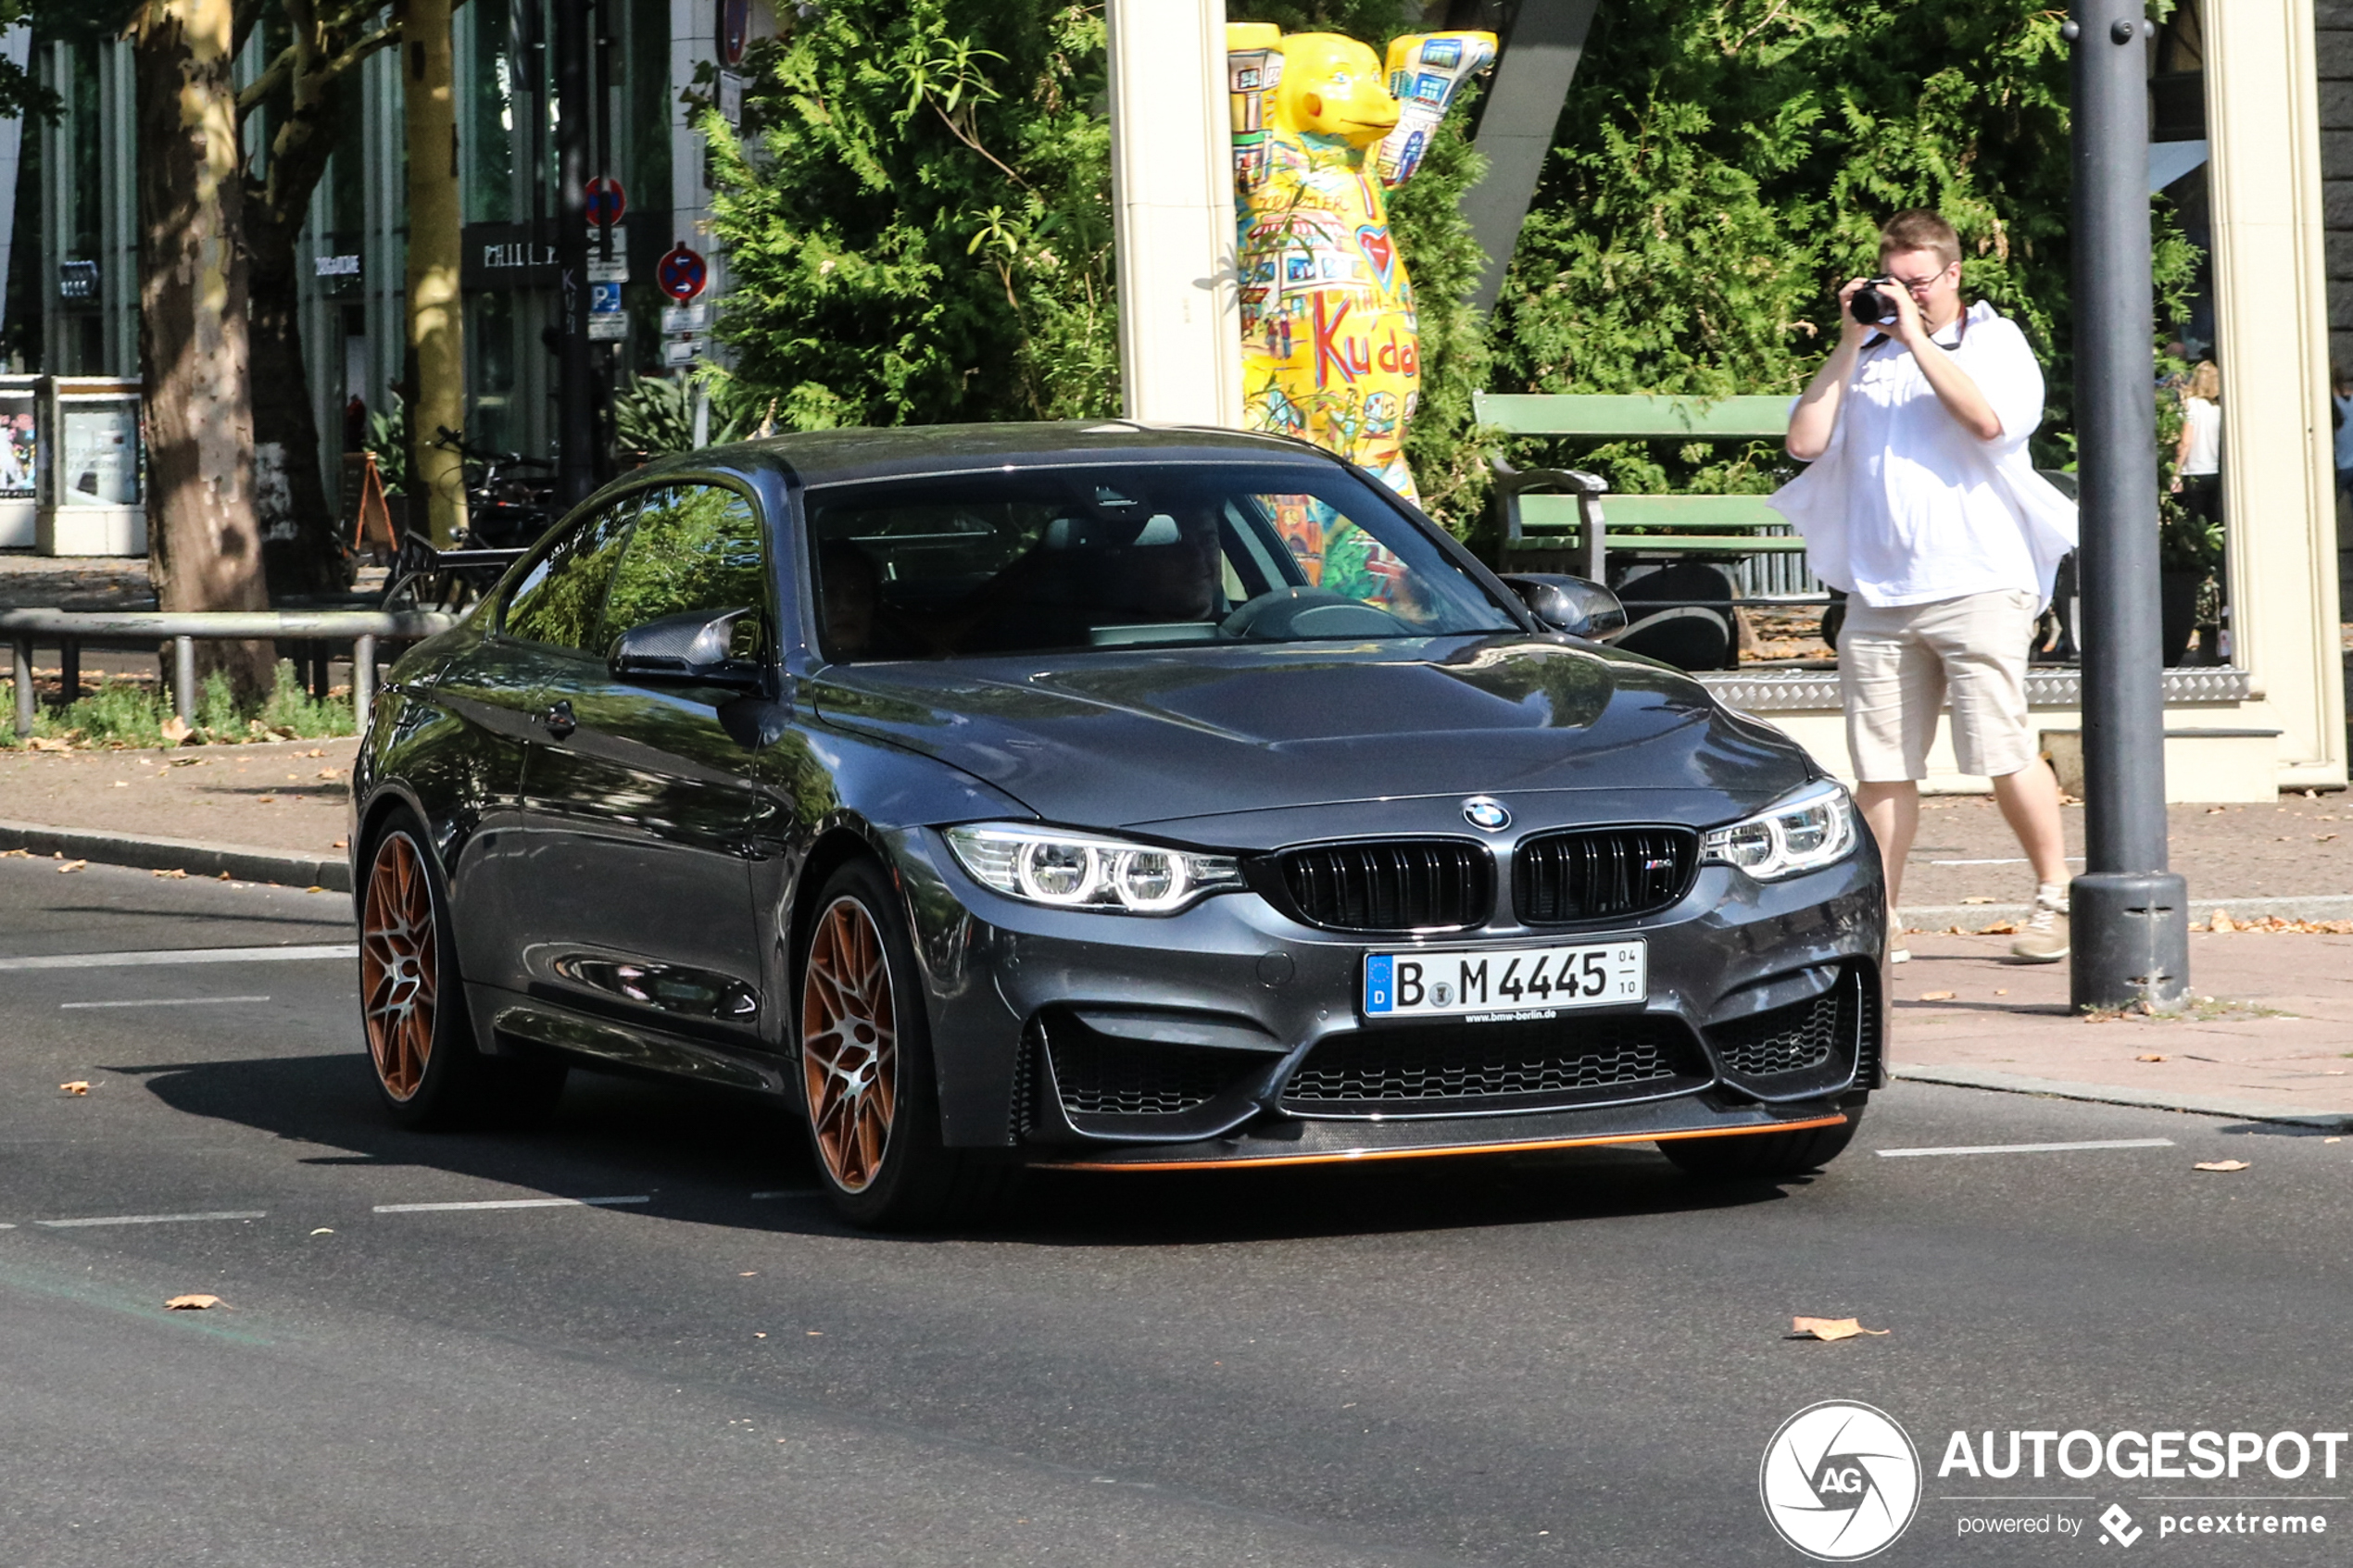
[
  {"x": 848, "y": 1044},
  {"x": 399, "y": 959}
]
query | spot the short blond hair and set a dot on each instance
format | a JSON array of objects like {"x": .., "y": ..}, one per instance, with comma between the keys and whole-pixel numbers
[
  {"x": 1919, "y": 228},
  {"x": 2204, "y": 382}
]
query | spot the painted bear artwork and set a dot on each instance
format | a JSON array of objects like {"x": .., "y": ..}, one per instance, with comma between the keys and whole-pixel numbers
[{"x": 1321, "y": 132}]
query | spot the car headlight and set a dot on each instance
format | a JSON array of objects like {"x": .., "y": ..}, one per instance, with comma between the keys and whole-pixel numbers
[
  {"x": 1808, "y": 831},
  {"x": 1076, "y": 872}
]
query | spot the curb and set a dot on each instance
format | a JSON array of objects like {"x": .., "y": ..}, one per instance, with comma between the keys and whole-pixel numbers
[
  {"x": 1932, "y": 918},
  {"x": 2110, "y": 1094},
  {"x": 243, "y": 862}
]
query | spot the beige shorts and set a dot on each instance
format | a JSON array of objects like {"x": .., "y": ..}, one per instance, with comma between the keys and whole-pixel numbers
[{"x": 1897, "y": 665}]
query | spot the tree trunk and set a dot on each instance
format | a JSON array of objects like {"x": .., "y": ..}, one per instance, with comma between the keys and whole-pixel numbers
[
  {"x": 437, "y": 318},
  {"x": 194, "y": 350}
]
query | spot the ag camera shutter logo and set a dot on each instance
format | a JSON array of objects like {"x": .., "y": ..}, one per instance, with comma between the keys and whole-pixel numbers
[{"x": 1839, "y": 1481}]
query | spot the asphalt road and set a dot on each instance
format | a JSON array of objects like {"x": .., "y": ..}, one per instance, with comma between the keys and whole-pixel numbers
[{"x": 1573, "y": 1359}]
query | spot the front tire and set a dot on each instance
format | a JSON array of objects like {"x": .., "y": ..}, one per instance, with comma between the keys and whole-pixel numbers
[
  {"x": 869, "y": 1095},
  {"x": 421, "y": 1041},
  {"x": 1762, "y": 1156}
]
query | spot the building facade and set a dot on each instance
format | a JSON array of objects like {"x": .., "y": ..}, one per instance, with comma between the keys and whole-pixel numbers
[{"x": 661, "y": 55}]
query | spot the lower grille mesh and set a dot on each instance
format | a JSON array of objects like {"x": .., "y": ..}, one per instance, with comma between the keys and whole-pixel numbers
[
  {"x": 1131, "y": 1078},
  {"x": 1408, "y": 1066},
  {"x": 1796, "y": 1038}
]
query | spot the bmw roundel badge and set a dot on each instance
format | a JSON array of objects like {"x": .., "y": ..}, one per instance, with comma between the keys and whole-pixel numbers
[{"x": 1486, "y": 813}]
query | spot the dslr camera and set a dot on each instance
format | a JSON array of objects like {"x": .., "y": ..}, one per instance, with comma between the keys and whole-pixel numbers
[{"x": 1871, "y": 304}]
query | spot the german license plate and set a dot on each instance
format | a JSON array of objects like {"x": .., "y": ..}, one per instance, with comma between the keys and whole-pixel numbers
[{"x": 1505, "y": 980}]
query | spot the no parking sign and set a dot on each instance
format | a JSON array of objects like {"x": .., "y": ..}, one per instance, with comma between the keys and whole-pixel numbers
[{"x": 682, "y": 273}]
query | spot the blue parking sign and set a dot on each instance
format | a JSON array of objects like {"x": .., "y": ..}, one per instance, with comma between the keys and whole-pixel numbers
[{"x": 604, "y": 300}]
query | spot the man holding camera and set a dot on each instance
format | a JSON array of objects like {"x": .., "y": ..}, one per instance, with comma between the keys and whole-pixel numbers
[{"x": 1922, "y": 505}]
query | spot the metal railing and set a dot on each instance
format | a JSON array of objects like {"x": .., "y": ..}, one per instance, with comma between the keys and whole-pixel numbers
[{"x": 72, "y": 630}]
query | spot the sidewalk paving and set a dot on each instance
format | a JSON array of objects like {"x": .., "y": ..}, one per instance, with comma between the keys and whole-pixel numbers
[{"x": 2275, "y": 1045}]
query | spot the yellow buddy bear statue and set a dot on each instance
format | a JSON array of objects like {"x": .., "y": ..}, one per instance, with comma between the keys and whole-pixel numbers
[{"x": 1328, "y": 336}]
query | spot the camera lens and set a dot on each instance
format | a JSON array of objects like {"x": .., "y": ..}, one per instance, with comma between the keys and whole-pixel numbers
[{"x": 1872, "y": 307}]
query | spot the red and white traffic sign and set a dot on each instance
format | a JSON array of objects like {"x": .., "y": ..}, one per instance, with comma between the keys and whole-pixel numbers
[
  {"x": 682, "y": 273},
  {"x": 607, "y": 203}
]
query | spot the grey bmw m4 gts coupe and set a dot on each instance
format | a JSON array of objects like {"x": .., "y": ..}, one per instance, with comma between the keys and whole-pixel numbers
[{"x": 1102, "y": 797}]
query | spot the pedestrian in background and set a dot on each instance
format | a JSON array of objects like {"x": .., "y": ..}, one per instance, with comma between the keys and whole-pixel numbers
[
  {"x": 2198, "y": 457},
  {"x": 1922, "y": 504}
]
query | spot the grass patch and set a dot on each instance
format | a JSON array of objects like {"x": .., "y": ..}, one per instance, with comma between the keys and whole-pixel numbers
[{"x": 125, "y": 714}]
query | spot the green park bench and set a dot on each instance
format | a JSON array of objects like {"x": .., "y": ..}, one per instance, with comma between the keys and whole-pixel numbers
[{"x": 1553, "y": 510}]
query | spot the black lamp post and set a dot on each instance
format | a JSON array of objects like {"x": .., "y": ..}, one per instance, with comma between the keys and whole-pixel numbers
[{"x": 2131, "y": 921}]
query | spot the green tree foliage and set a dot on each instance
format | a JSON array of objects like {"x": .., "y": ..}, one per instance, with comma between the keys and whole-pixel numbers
[
  {"x": 1723, "y": 165},
  {"x": 918, "y": 222},
  {"x": 917, "y": 216}
]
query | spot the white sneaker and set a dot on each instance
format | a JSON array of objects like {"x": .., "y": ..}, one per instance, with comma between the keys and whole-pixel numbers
[
  {"x": 2043, "y": 938},
  {"x": 1896, "y": 951}
]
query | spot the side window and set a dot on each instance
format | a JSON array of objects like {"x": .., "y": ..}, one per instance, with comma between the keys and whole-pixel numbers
[
  {"x": 696, "y": 547},
  {"x": 558, "y": 600}
]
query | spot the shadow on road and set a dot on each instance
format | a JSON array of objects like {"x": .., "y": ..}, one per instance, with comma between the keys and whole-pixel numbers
[{"x": 702, "y": 1153}]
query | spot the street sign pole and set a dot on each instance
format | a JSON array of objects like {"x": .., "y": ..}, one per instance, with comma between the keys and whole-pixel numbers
[
  {"x": 576, "y": 392},
  {"x": 2130, "y": 925}
]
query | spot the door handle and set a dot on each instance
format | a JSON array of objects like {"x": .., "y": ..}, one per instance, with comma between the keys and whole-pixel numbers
[{"x": 558, "y": 719}]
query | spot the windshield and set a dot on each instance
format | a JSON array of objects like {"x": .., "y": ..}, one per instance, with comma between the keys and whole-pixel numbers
[{"x": 1031, "y": 561}]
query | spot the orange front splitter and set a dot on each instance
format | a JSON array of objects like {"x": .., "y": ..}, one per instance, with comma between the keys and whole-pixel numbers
[{"x": 1355, "y": 1156}]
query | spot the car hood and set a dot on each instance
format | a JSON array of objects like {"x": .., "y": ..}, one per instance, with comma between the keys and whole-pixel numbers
[{"x": 1132, "y": 739}]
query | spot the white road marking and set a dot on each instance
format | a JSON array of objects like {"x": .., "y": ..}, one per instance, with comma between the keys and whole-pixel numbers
[
  {"x": 168, "y": 1002},
  {"x": 181, "y": 955},
  {"x": 2028, "y": 1147},
  {"x": 153, "y": 1218},
  {"x": 507, "y": 1203},
  {"x": 789, "y": 1192}
]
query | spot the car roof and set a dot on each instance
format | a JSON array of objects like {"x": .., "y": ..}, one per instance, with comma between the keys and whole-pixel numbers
[{"x": 838, "y": 457}]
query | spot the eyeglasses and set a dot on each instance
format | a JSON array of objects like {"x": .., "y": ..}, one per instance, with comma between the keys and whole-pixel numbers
[{"x": 1916, "y": 285}]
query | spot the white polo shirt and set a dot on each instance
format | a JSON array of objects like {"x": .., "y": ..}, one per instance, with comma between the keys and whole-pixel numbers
[{"x": 1905, "y": 505}]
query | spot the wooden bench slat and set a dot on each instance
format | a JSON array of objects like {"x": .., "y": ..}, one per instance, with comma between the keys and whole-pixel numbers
[
  {"x": 1674, "y": 543},
  {"x": 1720, "y": 512},
  {"x": 1608, "y": 416}
]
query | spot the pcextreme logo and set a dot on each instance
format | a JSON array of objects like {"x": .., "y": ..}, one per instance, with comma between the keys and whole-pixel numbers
[{"x": 1839, "y": 1481}]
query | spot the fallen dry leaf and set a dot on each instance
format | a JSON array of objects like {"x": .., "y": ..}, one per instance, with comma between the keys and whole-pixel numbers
[
  {"x": 176, "y": 731},
  {"x": 314, "y": 751},
  {"x": 1936, "y": 996},
  {"x": 43, "y": 743},
  {"x": 2214, "y": 811},
  {"x": 340, "y": 844},
  {"x": 2001, "y": 993},
  {"x": 195, "y": 1303},
  {"x": 757, "y": 1335},
  {"x": 1976, "y": 900},
  {"x": 331, "y": 772},
  {"x": 72, "y": 866},
  {"x": 78, "y": 1086},
  {"x": 176, "y": 876},
  {"x": 2220, "y": 920},
  {"x": 1999, "y": 928},
  {"x": 2148, "y": 1056},
  {"x": 268, "y": 800},
  {"x": 1830, "y": 1328},
  {"x": 2220, "y": 1165}
]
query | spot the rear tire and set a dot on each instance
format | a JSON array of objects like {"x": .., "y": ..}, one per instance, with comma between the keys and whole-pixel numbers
[
  {"x": 421, "y": 1041},
  {"x": 869, "y": 1094},
  {"x": 1762, "y": 1156}
]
